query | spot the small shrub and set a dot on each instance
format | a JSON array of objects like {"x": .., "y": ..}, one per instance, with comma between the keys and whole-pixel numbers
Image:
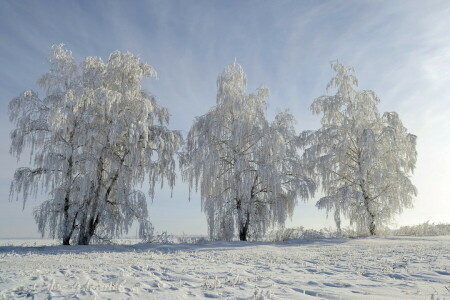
[{"x": 427, "y": 228}]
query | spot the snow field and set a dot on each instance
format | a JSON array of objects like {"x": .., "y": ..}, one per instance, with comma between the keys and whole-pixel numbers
[{"x": 370, "y": 268}]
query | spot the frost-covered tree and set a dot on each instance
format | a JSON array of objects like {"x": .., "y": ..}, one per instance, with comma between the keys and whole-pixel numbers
[
  {"x": 248, "y": 170},
  {"x": 93, "y": 138},
  {"x": 363, "y": 160}
]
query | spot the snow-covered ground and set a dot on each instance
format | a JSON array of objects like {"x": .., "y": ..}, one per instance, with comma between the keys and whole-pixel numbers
[{"x": 368, "y": 268}]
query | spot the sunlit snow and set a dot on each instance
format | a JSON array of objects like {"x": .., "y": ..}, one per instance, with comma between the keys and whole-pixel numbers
[{"x": 369, "y": 268}]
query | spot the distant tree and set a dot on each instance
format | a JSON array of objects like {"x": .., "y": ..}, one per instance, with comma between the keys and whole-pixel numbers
[
  {"x": 362, "y": 160},
  {"x": 93, "y": 138},
  {"x": 248, "y": 170}
]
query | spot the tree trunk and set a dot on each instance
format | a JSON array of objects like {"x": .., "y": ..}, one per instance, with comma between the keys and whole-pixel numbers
[
  {"x": 243, "y": 224},
  {"x": 66, "y": 240},
  {"x": 87, "y": 224},
  {"x": 243, "y": 228},
  {"x": 85, "y": 237},
  {"x": 87, "y": 227},
  {"x": 68, "y": 235},
  {"x": 67, "y": 232},
  {"x": 337, "y": 220},
  {"x": 68, "y": 225},
  {"x": 243, "y": 234},
  {"x": 372, "y": 227},
  {"x": 86, "y": 231}
]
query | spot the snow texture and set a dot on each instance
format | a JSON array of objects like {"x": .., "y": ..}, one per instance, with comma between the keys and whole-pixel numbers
[{"x": 369, "y": 268}]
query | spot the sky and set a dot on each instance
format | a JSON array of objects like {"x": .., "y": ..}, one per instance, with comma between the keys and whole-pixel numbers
[{"x": 399, "y": 49}]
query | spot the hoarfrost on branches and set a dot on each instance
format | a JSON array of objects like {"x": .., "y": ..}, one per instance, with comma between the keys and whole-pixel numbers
[
  {"x": 248, "y": 169},
  {"x": 93, "y": 138},
  {"x": 363, "y": 160}
]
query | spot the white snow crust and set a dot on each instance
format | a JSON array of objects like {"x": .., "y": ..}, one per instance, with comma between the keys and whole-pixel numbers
[{"x": 367, "y": 268}]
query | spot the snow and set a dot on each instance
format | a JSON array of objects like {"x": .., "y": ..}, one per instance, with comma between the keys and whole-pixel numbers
[{"x": 375, "y": 268}]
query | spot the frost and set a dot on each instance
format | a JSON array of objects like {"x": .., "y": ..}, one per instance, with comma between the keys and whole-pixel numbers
[
  {"x": 93, "y": 138},
  {"x": 248, "y": 170},
  {"x": 363, "y": 160}
]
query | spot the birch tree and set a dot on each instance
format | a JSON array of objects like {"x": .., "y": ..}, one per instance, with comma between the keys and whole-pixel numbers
[
  {"x": 363, "y": 160},
  {"x": 247, "y": 169},
  {"x": 93, "y": 138}
]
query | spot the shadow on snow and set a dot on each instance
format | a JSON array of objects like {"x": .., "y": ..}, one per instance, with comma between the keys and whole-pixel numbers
[{"x": 164, "y": 248}]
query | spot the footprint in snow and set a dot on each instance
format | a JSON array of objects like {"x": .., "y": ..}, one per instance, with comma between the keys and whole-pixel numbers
[
  {"x": 316, "y": 294},
  {"x": 326, "y": 273},
  {"x": 210, "y": 295},
  {"x": 337, "y": 284},
  {"x": 137, "y": 268},
  {"x": 443, "y": 272},
  {"x": 305, "y": 292},
  {"x": 397, "y": 276}
]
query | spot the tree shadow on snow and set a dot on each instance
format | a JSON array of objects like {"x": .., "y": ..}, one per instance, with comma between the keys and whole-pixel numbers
[{"x": 164, "y": 248}]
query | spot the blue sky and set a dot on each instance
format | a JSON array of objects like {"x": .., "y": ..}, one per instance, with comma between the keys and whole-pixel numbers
[{"x": 400, "y": 49}]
